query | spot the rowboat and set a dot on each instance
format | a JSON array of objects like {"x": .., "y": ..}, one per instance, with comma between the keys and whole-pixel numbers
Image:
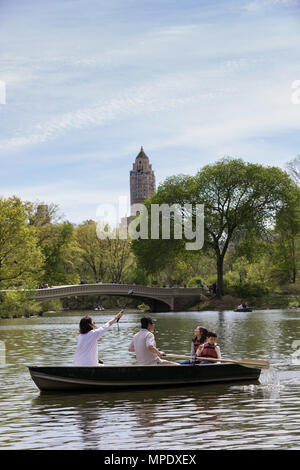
[
  {"x": 245, "y": 309},
  {"x": 118, "y": 377}
]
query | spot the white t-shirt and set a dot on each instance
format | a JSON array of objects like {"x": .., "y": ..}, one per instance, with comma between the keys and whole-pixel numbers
[
  {"x": 87, "y": 347},
  {"x": 140, "y": 343}
]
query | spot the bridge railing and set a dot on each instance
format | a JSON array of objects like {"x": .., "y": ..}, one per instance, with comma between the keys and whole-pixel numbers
[
  {"x": 112, "y": 289},
  {"x": 121, "y": 289}
]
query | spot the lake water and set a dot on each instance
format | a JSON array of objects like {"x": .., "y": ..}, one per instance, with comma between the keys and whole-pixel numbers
[{"x": 264, "y": 415}]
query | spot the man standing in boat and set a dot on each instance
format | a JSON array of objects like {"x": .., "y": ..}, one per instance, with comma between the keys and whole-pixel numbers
[{"x": 144, "y": 346}]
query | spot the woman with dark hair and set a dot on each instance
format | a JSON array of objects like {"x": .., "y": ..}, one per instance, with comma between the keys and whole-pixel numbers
[
  {"x": 87, "y": 346},
  {"x": 197, "y": 341}
]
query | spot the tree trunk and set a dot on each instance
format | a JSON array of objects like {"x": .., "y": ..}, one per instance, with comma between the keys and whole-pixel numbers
[
  {"x": 294, "y": 269},
  {"x": 220, "y": 286}
]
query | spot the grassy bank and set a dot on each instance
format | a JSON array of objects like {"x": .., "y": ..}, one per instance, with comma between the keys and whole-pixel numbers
[{"x": 270, "y": 301}]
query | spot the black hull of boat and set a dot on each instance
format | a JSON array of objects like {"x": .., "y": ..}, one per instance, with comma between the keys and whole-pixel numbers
[
  {"x": 248, "y": 309},
  {"x": 102, "y": 378}
]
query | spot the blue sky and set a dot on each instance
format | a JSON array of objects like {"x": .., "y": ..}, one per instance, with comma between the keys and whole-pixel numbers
[{"x": 90, "y": 81}]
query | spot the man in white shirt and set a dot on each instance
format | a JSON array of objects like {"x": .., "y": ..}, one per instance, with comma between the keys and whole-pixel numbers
[
  {"x": 87, "y": 346},
  {"x": 144, "y": 346}
]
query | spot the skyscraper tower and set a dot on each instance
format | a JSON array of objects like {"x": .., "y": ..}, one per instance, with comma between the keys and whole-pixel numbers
[{"x": 142, "y": 179}]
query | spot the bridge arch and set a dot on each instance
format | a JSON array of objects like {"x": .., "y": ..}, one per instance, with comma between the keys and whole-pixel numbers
[
  {"x": 159, "y": 298},
  {"x": 149, "y": 295}
]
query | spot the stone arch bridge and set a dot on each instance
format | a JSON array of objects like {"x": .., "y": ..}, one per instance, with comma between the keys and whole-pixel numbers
[{"x": 159, "y": 299}]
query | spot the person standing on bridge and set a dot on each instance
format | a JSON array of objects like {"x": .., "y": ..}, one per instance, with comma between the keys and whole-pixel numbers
[{"x": 87, "y": 345}]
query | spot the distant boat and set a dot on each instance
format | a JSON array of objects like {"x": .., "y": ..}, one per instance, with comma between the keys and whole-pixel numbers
[{"x": 244, "y": 309}]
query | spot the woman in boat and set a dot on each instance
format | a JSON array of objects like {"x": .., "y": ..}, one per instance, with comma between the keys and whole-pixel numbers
[
  {"x": 87, "y": 346},
  {"x": 197, "y": 341}
]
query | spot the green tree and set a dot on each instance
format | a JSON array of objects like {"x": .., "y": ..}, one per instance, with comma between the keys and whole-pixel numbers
[
  {"x": 239, "y": 198},
  {"x": 119, "y": 256},
  {"x": 21, "y": 260},
  {"x": 102, "y": 258},
  {"x": 93, "y": 261},
  {"x": 287, "y": 237},
  {"x": 54, "y": 238}
]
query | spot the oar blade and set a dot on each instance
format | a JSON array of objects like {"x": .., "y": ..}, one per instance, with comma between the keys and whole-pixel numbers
[{"x": 254, "y": 363}]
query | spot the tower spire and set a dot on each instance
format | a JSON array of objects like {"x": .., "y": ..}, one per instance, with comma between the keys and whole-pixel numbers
[{"x": 142, "y": 179}]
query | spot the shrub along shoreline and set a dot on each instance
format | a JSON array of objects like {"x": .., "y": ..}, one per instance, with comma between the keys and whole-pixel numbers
[{"x": 270, "y": 301}]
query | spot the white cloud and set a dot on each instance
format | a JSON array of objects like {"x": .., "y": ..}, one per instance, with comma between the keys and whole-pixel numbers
[
  {"x": 255, "y": 6},
  {"x": 161, "y": 95},
  {"x": 177, "y": 30},
  {"x": 78, "y": 202},
  {"x": 203, "y": 79}
]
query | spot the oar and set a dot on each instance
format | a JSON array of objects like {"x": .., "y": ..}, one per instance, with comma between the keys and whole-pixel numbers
[
  {"x": 252, "y": 363},
  {"x": 130, "y": 292}
]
